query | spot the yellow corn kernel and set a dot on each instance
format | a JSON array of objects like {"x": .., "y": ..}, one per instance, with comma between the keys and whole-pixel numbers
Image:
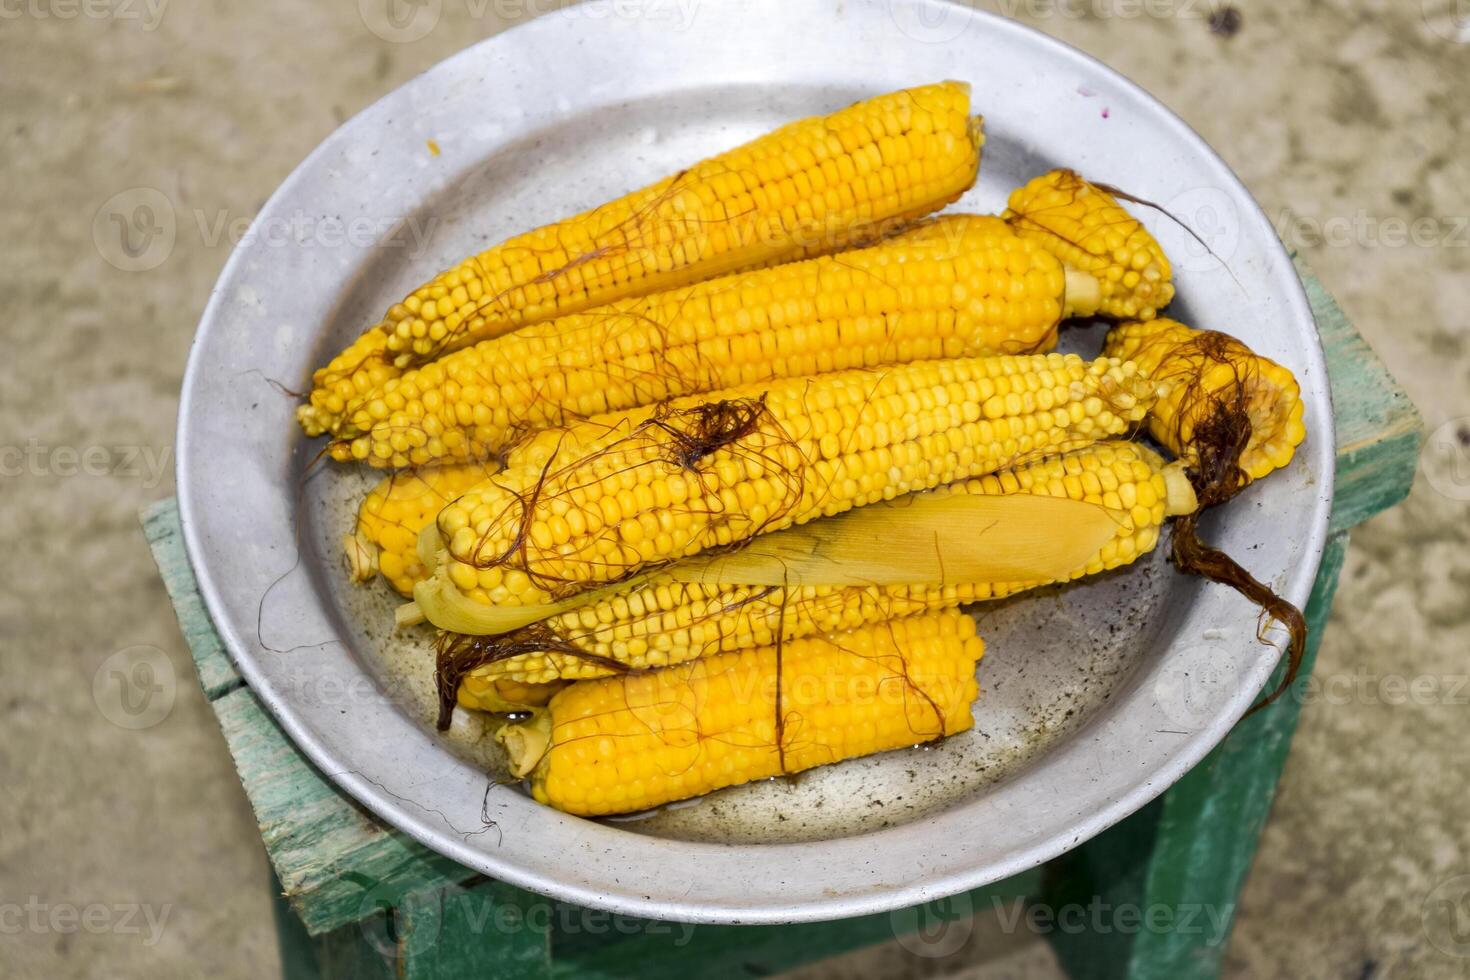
[
  {"x": 745, "y": 208},
  {"x": 750, "y": 460},
  {"x": 960, "y": 286},
  {"x": 393, "y": 514},
  {"x": 675, "y": 622},
  {"x": 637, "y": 741},
  {"x": 503, "y": 696},
  {"x": 1084, "y": 225},
  {"x": 1201, "y": 371}
]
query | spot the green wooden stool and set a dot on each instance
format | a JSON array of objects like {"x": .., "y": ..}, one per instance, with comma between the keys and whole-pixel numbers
[{"x": 359, "y": 899}]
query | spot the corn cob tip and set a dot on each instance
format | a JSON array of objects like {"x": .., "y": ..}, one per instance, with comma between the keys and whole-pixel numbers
[
  {"x": 500, "y": 695},
  {"x": 362, "y": 557},
  {"x": 1083, "y": 224},
  {"x": 526, "y": 743},
  {"x": 1083, "y": 295},
  {"x": 1216, "y": 396},
  {"x": 393, "y": 515},
  {"x": 1179, "y": 495},
  {"x": 309, "y": 417},
  {"x": 408, "y": 614}
]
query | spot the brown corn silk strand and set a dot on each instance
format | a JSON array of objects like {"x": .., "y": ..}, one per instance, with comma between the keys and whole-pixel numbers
[
  {"x": 459, "y": 654},
  {"x": 685, "y": 438},
  {"x": 300, "y": 498},
  {"x": 1122, "y": 195},
  {"x": 1220, "y": 434}
]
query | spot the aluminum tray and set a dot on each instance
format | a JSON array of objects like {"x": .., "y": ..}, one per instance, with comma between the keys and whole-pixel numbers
[{"x": 1095, "y": 699}]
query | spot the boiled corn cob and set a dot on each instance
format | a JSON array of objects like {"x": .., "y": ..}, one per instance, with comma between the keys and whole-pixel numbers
[
  {"x": 663, "y": 622},
  {"x": 811, "y": 187},
  {"x": 1085, "y": 226},
  {"x": 715, "y": 470},
  {"x": 393, "y": 514},
  {"x": 961, "y": 286},
  {"x": 630, "y": 743},
  {"x": 1200, "y": 372}
]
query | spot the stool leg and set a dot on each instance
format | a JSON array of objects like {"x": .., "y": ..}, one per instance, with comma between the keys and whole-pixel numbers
[{"x": 298, "y": 953}]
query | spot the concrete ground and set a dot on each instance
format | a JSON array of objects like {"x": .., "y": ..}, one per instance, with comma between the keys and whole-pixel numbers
[{"x": 131, "y": 851}]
